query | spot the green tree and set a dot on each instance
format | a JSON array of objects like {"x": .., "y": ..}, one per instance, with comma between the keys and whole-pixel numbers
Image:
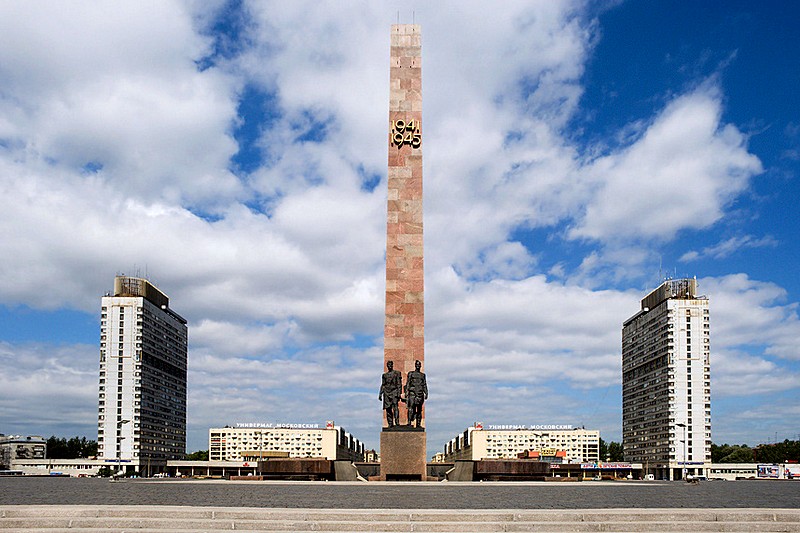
[
  {"x": 73, "y": 448},
  {"x": 717, "y": 452},
  {"x": 731, "y": 453},
  {"x": 57, "y": 448},
  {"x": 611, "y": 451},
  {"x": 739, "y": 454},
  {"x": 199, "y": 455},
  {"x": 780, "y": 452},
  {"x": 615, "y": 451}
]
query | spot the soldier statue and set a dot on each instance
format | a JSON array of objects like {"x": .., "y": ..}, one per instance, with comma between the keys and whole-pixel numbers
[
  {"x": 391, "y": 387},
  {"x": 416, "y": 390}
]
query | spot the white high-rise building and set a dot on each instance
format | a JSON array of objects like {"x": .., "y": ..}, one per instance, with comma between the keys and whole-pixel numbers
[
  {"x": 666, "y": 387},
  {"x": 142, "y": 393}
]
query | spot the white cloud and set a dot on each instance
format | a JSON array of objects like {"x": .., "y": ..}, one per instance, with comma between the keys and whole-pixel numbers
[
  {"x": 774, "y": 418},
  {"x": 738, "y": 374},
  {"x": 682, "y": 173},
  {"x": 752, "y": 314},
  {"x": 116, "y": 86},
  {"x": 48, "y": 389},
  {"x": 730, "y": 246},
  {"x": 480, "y": 185},
  {"x": 284, "y": 288},
  {"x": 241, "y": 340}
]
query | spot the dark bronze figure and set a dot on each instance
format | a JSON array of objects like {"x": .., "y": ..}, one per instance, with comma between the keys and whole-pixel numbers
[
  {"x": 391, "y": 388},
  {"x": 416, "y": 390}
]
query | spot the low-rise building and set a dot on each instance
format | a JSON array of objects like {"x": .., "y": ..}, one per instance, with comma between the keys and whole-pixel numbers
[
  {"x": 254, "y": 441},
  {"x": 13, "y": 447},
  {"x": 732, "y": 471},
  {"x": 93, "y": 467},
  {"x": 66, "y": 467},
  {"x": 566, "y": 443}
]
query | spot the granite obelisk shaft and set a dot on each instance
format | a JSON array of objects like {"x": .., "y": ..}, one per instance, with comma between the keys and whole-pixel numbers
[
  {"x": 403, "y": 453},
  {"x": 404, "y": 328}
]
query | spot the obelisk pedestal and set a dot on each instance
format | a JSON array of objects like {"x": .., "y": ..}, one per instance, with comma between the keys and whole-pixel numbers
[{"x": 403, "y": 448}]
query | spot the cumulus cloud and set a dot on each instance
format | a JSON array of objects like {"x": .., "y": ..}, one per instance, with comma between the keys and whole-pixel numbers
[
  {"x": 48, "y": 389},
  {"x": 682, "y": 173},
  {"x": 753, "y": 314},
  {"x": 736, "y": 373},
  {"x": 116, "y": 88},
  {"x": 116, "y": 150}
]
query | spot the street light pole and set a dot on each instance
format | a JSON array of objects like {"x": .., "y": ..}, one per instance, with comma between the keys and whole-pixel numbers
[
  {"x": 683, "y": 472},
  {"x": 119, "y": 446}
]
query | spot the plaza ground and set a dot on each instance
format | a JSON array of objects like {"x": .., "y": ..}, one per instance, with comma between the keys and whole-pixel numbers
[{"x": 443, "y": 495}]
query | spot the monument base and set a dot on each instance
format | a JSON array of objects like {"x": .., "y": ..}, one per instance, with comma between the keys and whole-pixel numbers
[{"x": 403, "y": 456}]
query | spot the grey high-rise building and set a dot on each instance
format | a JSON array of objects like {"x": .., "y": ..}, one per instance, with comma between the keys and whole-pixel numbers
[
  {"x": 666, "y": 386},
  {"x": 142, "y": 392}
]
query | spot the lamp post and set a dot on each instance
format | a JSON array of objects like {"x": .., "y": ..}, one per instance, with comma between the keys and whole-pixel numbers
[
  {"x": 119, "y": 445},
  {"x": 683, "y": 472}
]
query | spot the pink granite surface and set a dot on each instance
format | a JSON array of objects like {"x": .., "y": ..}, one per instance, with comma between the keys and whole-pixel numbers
[{"x": 404, "y": 330}]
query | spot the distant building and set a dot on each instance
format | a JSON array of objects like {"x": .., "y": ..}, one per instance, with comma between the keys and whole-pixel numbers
[
  {"x": 253, "y": 442},
  {"x": 666, "y": 385},
  {"x": 142, "y": 390},
  {"x": 553, "y": 443},
  {"x": 371, "y": 456},
  {"x": 13, "y": 447},
  {"x": 438, "y": 457},
  {"x": 93, "y": 467}
]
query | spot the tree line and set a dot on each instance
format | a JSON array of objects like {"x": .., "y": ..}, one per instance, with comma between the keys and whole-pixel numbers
[
  {"x": 73, "y": 448},
  {"x": 81, "y": 448},
  {"x": 779, "y": 452}
]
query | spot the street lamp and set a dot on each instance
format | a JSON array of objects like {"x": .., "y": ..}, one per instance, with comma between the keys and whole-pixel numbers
[
  {"x": 119, "y": 445},
  {"x": 684, "y": 450}
]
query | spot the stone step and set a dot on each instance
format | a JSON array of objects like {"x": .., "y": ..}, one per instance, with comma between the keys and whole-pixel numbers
[
  {"x": 172, "y": 518},
  {"x": 463, "y": 528},
  {"x": 482, "y": 527}
]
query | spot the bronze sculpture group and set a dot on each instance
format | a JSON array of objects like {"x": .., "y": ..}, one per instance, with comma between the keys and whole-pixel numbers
[{"x": 415, "y": 389}]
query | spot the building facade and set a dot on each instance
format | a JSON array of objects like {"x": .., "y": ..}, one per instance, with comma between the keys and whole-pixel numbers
[
  {"x": 13, "y": 447},
  {"x": 142, "y": 389},
  {"x": 568, "y": 444},
  {"x": 253, "y": 442},
  {"x": 666, "y": 388}
]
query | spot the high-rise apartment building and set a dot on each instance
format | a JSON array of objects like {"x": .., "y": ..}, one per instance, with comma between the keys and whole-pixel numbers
[
  {"x": 666, "y": 388},
  {"x": 142, "y": 393}
]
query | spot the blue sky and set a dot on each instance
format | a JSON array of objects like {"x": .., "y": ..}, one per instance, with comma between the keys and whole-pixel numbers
[{"x": 575, "y": 154}]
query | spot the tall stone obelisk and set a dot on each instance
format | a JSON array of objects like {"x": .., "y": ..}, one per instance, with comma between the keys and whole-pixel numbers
[{"x": 403, "y": 447}]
